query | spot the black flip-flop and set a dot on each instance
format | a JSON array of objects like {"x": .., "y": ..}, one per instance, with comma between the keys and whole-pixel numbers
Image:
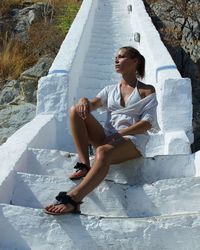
[{"x": 63, "y": 198}]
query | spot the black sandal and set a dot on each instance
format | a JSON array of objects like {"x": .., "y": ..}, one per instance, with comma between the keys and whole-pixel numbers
[
  {"x": 78, "y": 175},
  {"x": 63, "y": 198}
]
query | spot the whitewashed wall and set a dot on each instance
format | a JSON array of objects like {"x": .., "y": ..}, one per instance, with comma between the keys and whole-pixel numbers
[
  {"x": 174, "y": 93},
  {"x": 39, "y": 133},
  {"x": 57, "y": 90}
]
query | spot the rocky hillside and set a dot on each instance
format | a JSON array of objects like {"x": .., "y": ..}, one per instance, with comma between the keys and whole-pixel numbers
[
  {"x": 178, "y": 22},
  {"x": 31, "y": 33}
]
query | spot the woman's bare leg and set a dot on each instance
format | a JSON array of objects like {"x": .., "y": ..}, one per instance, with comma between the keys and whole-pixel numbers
[
  {"x": 84, "y": 132},
  {"x": 105, "y": 156}
]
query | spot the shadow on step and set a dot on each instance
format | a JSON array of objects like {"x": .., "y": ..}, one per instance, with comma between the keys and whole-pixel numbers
[{"x": 10, "y": 238}]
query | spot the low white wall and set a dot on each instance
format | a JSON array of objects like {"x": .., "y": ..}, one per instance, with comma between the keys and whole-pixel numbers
[
  {"x": 197, "y": 163},
  {"x": 57, "y": 91},
  {"x": 40, "y": 132},
  {"x": 173, "y": 92}
]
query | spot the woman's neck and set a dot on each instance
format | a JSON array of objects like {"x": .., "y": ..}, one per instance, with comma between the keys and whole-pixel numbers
[{"x": 130, "y": 80}]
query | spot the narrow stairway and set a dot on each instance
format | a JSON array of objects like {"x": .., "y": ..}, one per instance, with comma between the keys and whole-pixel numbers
[{"x": 142, "y": 204}]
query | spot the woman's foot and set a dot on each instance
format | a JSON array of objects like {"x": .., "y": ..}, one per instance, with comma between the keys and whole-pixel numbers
[
  {"x": 58, "y": 209},
  {"x": 65, "y": 204},
  {"x": 81, "y": 171}
]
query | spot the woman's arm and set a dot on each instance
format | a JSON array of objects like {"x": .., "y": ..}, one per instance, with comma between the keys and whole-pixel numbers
[
  {"x": 95, "y": 103},
  {"x": 84, "y": 106},
  {"x": 139, "y": 127}
]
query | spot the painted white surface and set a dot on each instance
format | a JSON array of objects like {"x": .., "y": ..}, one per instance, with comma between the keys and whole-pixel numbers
[
  {"x": 180, "y": 232},
  {"x": 111, "y": 199},
  {"x": 34, "y": 170},
  {"x": 13, "y": 152},
  {"x": 197, "y": 163}
]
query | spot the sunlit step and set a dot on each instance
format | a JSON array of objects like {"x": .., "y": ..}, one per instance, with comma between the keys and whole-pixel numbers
[
  {"x": 26, "y": 228},
  {"x": 163, "y": 197}
]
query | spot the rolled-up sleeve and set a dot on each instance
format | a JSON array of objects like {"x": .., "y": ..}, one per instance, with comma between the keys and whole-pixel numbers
[
  {"x": 103, "y": 95},
  {"x": 150, "y": 113}
]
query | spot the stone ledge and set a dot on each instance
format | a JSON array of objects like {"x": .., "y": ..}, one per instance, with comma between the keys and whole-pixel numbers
[
  {"x": 32, "y": 229},
  {"x": 110, "y": 199}
]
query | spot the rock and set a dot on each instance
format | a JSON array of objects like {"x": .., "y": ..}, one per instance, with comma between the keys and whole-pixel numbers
[
  {"x": 28, "y": 15},
  {"x": 1, "y": 26},
  {"x": 12, "y": 117},
  {"x": 27, "y": 90},
  {"x": 29, "y": 78},
  {"x": 10, "y": 92},
  {"x": 27, "y": 2},
  {"x": 39, "y": 69},
  {"x": 186, "y": 51}
]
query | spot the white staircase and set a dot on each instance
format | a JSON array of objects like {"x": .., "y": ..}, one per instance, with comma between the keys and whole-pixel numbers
[
  {"x": 145, "y": 204},
  {"x": 159, "y": 214}
]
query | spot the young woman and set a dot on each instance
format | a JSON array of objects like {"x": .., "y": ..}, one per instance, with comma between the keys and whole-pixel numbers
[{"x": 131, "y": 112}]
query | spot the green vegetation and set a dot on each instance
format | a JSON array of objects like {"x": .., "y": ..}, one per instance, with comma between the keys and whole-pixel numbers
[
  {"x": 44, "y": 37},
  {"x": 66, "y": 17}
]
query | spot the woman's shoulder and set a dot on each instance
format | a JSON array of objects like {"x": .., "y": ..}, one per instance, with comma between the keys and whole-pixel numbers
[
  {"x": 145, "y": 89},
  {"x": 111, "y": 87}
]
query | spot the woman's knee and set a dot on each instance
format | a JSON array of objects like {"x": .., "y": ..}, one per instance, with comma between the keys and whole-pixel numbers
[
  {"x": 72, "y": 111},
  {"x": 102, "y": 153}
]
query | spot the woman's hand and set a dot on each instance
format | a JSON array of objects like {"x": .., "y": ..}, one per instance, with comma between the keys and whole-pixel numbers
[
  {"x": 113, "y": 138},
  {"x": 83, "y": 108}
]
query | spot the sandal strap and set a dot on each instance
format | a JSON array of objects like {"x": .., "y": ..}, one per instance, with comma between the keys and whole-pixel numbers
[
  {"x": 80, "y": 166},
  {"x": 63, "y": 198}
]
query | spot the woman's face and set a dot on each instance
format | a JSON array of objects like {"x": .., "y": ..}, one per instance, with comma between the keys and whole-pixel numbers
[{"x": 124, "y": 64}]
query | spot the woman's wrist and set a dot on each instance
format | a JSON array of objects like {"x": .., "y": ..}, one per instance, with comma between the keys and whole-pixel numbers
[{"x": 121, "y": 132}]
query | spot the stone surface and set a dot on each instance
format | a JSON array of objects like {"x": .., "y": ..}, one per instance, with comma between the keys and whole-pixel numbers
[
  {"x": 39, "y": 69},
  {"x": 26, "y": 16},
  {"x": 13, "y": 117},
  {"x": 186, "y": 51},
  {"x": 29, "y": 78},
  {"x": 134, "y": 172},
  {"x": 10, "y": 92},
  {"x": 87, "y": 232},
  {"x": 111, "y": 199}
]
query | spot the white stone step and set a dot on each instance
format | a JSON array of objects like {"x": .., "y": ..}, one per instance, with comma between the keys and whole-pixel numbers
[
  {"x": 93, "y": 83},
  {"x": 99, "y": 51},
  {"x": 87, "y": 92},
  {"x": 26, "y": 228},
  {"x": 103, "y": 22},
  {"x": 98, "y": 36},
  {"x": 113, "y": 33},
  {"x": 103, "y": 76},
  {"x": 117, "y": 41},
  {"x": 138, "y": 171},
  {"x": 106, "y": 68},
  {"x": 93, "y": 58},
  {"x": 112, "y": 26},
  {"x": 102, "y": 46},
  {"x": 163, "y": 197}
]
